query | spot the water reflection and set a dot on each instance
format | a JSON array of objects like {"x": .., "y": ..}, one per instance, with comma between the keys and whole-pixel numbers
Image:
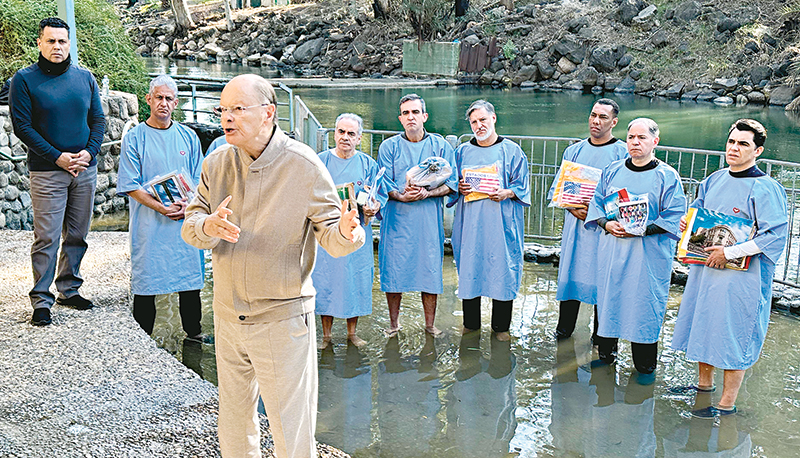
[{"x": 472, "y": 396}]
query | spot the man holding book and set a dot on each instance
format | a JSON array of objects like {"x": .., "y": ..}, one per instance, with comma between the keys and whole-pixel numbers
[
  {"x": 723, "y": 317},
  {"x": 161, "y": 262},
  {"x": 578, "y": 265},
  {"x": 344, "y": 285},
  {"x": 488, "y": 234},
  {"x": 412, "y": 230},
  {"x": 635, "y": 255}
]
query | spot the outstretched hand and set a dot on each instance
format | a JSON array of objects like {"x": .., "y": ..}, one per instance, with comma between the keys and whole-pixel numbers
[
  {"x": 348, "y": 221},
  {"x": 217, "y": 224}
]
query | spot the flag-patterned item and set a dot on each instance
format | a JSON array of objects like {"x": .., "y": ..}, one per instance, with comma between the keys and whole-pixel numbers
[
  {"x": 575, "y": 185},
  {"x": 483, "y": 180}
]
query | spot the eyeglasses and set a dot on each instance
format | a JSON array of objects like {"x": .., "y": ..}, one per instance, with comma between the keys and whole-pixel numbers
[{"x": 236, "y": 111}]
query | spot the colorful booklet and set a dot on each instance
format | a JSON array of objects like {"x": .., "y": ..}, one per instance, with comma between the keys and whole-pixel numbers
[
  {"x": 483, "y": 180},
  {"x": 611, "y": 203},
  {"x": 170, "y": 188},
  {"x": 575, "y": 185},
  {"x": 633, "y": 215},
  {"x": 706, "y": 228}
]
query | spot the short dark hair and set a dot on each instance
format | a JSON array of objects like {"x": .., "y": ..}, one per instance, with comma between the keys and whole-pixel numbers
[
  {"x": 412, "y": 97},
  {"x": 54, "y": 22},
  {"x": 751, "y": 125},
  {"x": 614, "y": 105}
]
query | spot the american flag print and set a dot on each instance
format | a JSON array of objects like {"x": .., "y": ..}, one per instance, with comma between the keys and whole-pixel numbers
[
  {"x": 482, "y": 182},
  {"x": 577, "y": 193}
]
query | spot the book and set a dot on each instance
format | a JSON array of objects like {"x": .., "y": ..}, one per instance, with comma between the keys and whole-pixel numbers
[
  {"x": 575, "y": 185},
  {"x": 611, "y": 203},
  {"x": 346, "y": 192},
  {"x": 483, "y": 180},
  {"x": 633, "y": 215},
  {"x": 170, "y": 188},
  {"x": 706, "y": 228}
]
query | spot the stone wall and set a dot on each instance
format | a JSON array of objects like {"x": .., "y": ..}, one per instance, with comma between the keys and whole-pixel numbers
[{"x": 15, "y": 198}]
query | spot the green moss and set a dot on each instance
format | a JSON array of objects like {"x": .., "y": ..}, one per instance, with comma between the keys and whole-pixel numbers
[{"x": 103, "y": 46}]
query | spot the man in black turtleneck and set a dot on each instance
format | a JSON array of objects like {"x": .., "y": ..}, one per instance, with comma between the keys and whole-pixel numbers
[{"x": 56, "y": 112}]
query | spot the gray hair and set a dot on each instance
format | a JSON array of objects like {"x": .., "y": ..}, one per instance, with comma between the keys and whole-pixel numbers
[
  {"x": 477, "y": 105},
  {"x": 651, "y": 125},
  {"x": 352, "y": 117},
  {"x": 412, "y": 97},
  {"x": 163, "y": 80}
]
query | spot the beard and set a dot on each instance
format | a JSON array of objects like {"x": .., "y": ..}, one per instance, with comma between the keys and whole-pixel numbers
[{"x": 484, "y": 136}]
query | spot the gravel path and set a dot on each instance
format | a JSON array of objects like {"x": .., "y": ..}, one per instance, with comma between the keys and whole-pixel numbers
[{"x": 93, "y": 384}]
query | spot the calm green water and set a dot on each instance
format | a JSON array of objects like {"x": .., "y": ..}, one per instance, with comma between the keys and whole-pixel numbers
[
  {"x": 472, "y": 396},
  {"x": 689, "y": 124}
]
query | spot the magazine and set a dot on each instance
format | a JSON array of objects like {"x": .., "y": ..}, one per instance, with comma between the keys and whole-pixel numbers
[
  {"x": 705, "y": 228},
  {"x": 170, "y": 188},
  {"x": 346, "y": 192},
  {"x": 611, "y": 203},
  {"x": 482, "y": 180},
  {"x": 575, "y": 185},
  {"x": 633, "y": 215}
]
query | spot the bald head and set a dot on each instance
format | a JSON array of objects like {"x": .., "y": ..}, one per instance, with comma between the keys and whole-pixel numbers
[{"x": 248, "y": 112}]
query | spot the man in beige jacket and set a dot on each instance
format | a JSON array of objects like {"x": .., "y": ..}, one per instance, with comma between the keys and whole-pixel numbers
[{"x": 261, "y": 202}]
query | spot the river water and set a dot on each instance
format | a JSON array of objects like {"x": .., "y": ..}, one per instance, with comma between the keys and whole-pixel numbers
[{"x": 473, "y": 396}]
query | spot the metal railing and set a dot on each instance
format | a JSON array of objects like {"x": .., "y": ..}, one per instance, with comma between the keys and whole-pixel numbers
[
  {"x": 788, "y": 175},
  {"x": 198, "y": 85}
]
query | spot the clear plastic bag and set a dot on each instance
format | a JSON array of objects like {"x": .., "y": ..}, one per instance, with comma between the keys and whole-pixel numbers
[{"x": 430, "y": 173}]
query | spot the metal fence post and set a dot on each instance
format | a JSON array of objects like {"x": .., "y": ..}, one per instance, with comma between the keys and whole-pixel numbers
[{"x": 322, "y": 140}]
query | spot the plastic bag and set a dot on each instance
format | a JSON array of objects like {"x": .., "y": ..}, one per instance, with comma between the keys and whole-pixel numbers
[{"x": 430, "y": 173}]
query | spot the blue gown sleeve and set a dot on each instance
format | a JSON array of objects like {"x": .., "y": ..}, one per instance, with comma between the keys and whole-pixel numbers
[
  {"x": 386, "y": 159},
  {"x": 671, "y": 205},
  {"x": 519, "y": 176},
  {"x": 699, "y": 202},
  {"x": 769, "y": 204},
  {"x": 596, "y": 210},
  {"x": 129, "y": 177},
  {"x": 196, "y": 160}
]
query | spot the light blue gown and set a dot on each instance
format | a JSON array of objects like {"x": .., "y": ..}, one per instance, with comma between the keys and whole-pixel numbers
[
  {"x": 634, "y": 273},
  {"x": 219, "y": 141},
  {"x": 344, "y": 285},
  {"x": 724, "y": 313},
  {"x": 577, "y": 268},
  {"x": 488, "y": 237},
  {"x": 412, "y": 234},
  {"x": 161, "y": 262}
]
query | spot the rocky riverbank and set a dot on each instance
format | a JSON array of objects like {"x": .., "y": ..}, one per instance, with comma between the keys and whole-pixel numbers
[
  {"x": 711, "y": 51},
  {"x": 93, "y": 384}
]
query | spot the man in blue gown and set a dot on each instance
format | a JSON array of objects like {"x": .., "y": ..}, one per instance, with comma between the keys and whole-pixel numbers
[
  {"x": 488, "y": 234},
  {"x": 578, "y": 264},
  {"x": 412, "y": 230},
  {"x": 634, "y": 271},
  {"x": 723, "y": 318},
  {"x": 344, "y": 285},
  {"x": 161, "y": 262}
]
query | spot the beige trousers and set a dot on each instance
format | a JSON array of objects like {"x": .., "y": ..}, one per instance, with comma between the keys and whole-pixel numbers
[{"x": 280, "y": 359}]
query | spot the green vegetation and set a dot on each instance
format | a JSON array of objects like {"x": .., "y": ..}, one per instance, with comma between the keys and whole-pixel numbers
[
  {"x": 104, "y": 47},
  {"x": 510, "y": 50}
]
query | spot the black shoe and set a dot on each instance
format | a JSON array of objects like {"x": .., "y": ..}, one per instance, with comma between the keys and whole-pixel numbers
[
  {"x": 561, "y": 334},
  {"x": 76, "y": 302},
  {"x": 41, "y": 317}
]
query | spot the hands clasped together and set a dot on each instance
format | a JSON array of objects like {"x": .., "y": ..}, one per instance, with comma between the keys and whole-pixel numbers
[{"x": 74, "y": 163}]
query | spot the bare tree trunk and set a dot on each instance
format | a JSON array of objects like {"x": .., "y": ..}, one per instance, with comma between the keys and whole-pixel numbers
[
  {"x": 183, "y": 20},
  {"x": 509, "y": 4},
  {"x": 381, "y": 9},
  {"x": 228, "y": 15}
]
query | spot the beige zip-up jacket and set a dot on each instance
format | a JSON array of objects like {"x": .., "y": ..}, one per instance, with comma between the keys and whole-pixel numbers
[{"x": 281, "y": 202}]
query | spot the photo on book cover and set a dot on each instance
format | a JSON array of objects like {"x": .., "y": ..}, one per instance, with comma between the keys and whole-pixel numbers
[
  {"x": 167, "y": 190},
  {"x": 706, "y": 228},
  {"x": 632, "y": 215}
]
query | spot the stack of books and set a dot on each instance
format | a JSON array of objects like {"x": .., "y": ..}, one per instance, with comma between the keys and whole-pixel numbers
[{"x": 706, "y": 228}]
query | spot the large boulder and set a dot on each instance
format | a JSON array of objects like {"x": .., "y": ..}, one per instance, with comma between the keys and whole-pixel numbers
[
  {"x": 687, "y": 11},
  {"x": 604, "y": 58},
  {"x": 675, "y": 91},
  {"x": 626, "y": 86},
  {"x": 545, "y": 69},
  {"x": 783, "y": 94},
  {"x": 587, "y": 76},
  {"x": 526, "y": 73},
  {"x": 726, "y": 84},
  {"x": 646, "y": 18},
  {"x": 571, "y": 49},
  {"x": 728, "y": 24},
  {"x": 629, "y": 9},
  {"x": 308, "y": 50},
  {"x": 760, "y": 73},
  {"x": 565, "y": 66},
  {"x": 576, "y": 24}
]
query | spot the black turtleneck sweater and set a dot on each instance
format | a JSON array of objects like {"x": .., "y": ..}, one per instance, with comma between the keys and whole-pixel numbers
[{"x": 55, "y": 108}]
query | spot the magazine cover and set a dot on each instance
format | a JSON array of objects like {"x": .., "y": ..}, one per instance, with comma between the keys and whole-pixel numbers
[
  {"x": 346, "y": 191},
  {"x": 483, "y": 180},
  {"x": 633, "y": 216},
  {"x": 575, "y": 185},
  {"x": 705, "y": 228},
  {"x": 170, "y": 188},
  {"x": 611, "y": 203}
]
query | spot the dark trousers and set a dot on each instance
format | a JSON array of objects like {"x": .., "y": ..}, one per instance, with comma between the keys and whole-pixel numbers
[
  {"x": 501, "y": 314},
  {"x": 568, "y": 316},
  {"x": 144, "y": 311},
  {"x": 645, "y": 356}
]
